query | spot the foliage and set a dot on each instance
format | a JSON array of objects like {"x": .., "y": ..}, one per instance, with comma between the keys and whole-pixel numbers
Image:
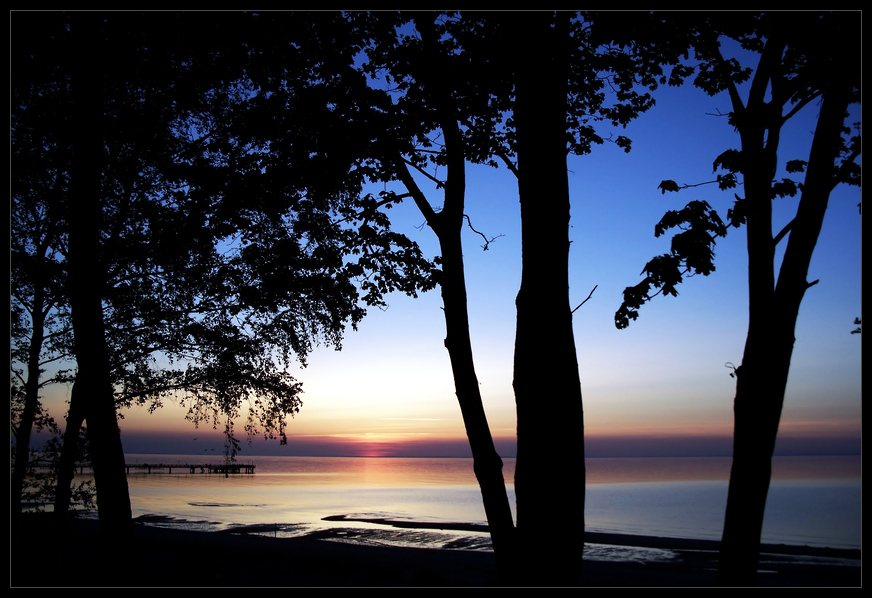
[
  {"x": 796, "y": 82},
  {"x": 444, "y": 87},
  {"x": 692, "y": 253},
  {"x": 235, "y": 236},
  {"x": 804, "y": 57},
  {"x": 611, "y": 76}
]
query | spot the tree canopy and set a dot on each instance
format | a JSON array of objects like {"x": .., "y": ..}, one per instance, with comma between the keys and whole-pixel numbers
[
  {"x": 793, "y": 73},
  {"x": 217, "y": 268}
]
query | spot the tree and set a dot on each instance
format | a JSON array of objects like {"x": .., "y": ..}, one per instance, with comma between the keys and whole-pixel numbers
[
  {"x": 93, "y": 385},
  {"x": 428, "y": 105},
  {"x": 465, "y": 80},
  {"x": 201, "y": 248},
  {"x": 804, "y": 58},
  {"x": 546, "y": 379},
  {"x": 579, "y": 73},
  {"x": 39, "y": 316}
]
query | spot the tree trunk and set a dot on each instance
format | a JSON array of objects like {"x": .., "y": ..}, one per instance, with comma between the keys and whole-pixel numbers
[
  {"x": 67, "y": 462},
  {"x": 773, "y": 312},
  {"x": 31, "y": 400},
  {"x": 448, "y": 225},
  {"x": 487, "y": 463},
  {"x": 86, "y": 284},
  {"x": 762, "y": 379},
  {"x": 550, "y": 469}
]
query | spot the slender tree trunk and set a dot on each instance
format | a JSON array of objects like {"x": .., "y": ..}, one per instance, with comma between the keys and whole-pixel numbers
[
  {"x": 31, "y": 402},
  {"x": 487, "y": 463},
  {"x": 550, "y": 469},
  {"x": 67, "y": 462},
  {"x": 447, "y": 225},
  {"x": 93, "y": 377},
  {"x": 773, "y": 313},
  {"x": 761, "y": 381}
]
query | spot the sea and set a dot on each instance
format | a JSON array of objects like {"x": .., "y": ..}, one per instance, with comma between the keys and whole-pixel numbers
[{"x": 813, "y": 500}]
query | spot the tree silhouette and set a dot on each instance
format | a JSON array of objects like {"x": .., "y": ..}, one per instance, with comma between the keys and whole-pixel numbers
[
  {"x": 804, "y": 58},
  {"x": 196, "y": 247},
  {"x": 92, "y": 394},
  {"x": 421, "y": 68},
  {"x": 460, "y": 78},
  {"x": 546, "y": 379},
  {"x": 573, "y": 74},
  {"x": 39, "y": 320}
]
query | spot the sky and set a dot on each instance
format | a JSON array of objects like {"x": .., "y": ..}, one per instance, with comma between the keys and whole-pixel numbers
[{"x": 659, "y": 388}]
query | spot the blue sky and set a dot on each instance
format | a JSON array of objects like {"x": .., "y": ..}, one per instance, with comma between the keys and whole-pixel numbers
[
  {"x": 660, "y": 383},
  {"x": 659, "y": 387}
]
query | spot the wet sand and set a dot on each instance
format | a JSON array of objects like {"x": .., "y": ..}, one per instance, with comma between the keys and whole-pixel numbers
[{"x": 164, "y": 557}]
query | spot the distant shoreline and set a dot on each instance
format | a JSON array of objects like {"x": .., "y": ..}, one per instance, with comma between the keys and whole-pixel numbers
[
  {"x": 257, "y": 454},
  {"x": 165, "y": 557}
]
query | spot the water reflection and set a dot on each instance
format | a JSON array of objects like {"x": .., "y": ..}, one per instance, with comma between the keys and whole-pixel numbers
[
  {"x": 413, "y": 472},
  {"x": 681, "y": 497}
]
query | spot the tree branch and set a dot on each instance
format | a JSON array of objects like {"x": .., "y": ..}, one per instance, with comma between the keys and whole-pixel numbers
[
  {"x": 509, "y": 164},
  {"x": 800, "y": 105},
  {"x": 585, "y": 301},
  {"x": 486, "y": 240},
  {"x": 412, "y": 187},
  {"x": 783, "y": 232},
  {"x": 439, "y": 184}
]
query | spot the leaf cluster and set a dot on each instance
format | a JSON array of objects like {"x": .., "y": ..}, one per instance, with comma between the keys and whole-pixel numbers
[{"x": 691, "y": 253}]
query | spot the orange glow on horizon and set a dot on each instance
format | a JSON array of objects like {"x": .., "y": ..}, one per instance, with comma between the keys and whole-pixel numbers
[
  {"x": 661, "y": 430},
  {"x": 814, "y": 429},
  {"x": 385, "y": 444}
]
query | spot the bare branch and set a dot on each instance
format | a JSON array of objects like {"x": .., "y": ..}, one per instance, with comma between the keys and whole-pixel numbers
[
  {"x": 412, "y": 187},
  {"x": 718, "y": 113},
  {"x": 585, "y": 301},
  {"x": 689, "y": 185},
  {"x": 486, "y": 240},
  {"x": 783, "y": 232},
  {"x": 509, "y": 164},
  {"x": 439, "y": 184}
]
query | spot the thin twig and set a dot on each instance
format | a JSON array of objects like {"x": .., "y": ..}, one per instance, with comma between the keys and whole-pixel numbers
[
  {"x": 486, "y": 240},
  {"x": 585, "y": 301}
]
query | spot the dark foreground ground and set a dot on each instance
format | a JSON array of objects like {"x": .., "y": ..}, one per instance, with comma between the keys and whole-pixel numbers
[{"x": 161, "y": 557}]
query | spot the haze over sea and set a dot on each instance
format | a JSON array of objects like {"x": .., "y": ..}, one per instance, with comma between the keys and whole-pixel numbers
[{"x": 814, "y": 500}]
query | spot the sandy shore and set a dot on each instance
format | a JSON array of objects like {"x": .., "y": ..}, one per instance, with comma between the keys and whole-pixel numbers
[{"x": 162, "y": 557}]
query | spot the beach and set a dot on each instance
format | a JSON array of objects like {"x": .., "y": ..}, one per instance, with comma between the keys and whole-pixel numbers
[{"x": 333, "y": 557}]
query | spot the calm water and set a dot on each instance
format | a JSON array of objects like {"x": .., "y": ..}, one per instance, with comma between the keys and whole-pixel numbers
[{"x": 813, "y": 500}]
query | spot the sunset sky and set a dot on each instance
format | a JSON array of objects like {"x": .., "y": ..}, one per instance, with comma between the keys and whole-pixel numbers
[{"x": 659, "y": 387}]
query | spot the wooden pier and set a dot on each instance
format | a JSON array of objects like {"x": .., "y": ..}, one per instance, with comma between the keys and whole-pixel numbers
[
  {"x": 224, "y": 468},
  {"x": 207, "y": 468}
]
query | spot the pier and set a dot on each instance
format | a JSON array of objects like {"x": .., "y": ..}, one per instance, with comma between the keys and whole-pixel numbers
[
  {"x": 221, "y": 468},
  {"x": 206, "y": 468}
]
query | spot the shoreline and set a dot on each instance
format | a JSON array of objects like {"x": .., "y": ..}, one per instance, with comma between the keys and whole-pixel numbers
[
  {"x": 622, "y": 539},
  {"x": 167, "y": 557}
]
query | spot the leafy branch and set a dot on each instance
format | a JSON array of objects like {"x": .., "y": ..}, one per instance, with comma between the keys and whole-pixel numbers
[{"x": 692, "y": 253}]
